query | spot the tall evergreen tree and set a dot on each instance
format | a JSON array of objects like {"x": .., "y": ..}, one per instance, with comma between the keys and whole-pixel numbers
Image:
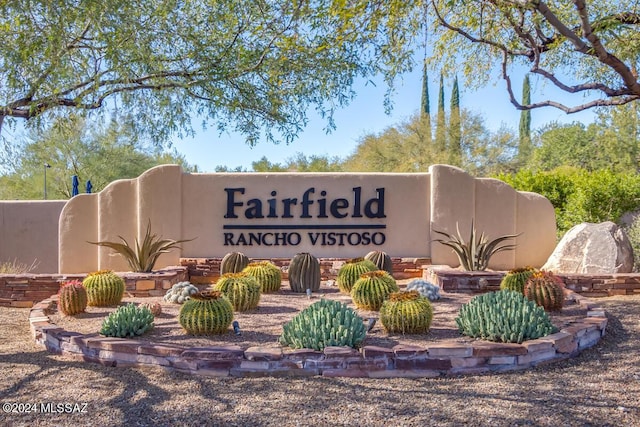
[
  {"x": 524, "y": 146},
  {"x": 455, "y": 127},
  {"x": 425, "y": 110},
  {"x": 441, "y": 131}
]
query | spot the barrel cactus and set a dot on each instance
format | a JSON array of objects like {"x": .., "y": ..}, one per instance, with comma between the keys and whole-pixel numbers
[
  {"x": 407, "y": 313},
  {"x": 104, "y": 288},
  {"x": 267, "y": 274},
  {"x": 372, "y": 288},
  {"x": 233, "y": 262},
  {"x": 127, "y": 321},
  {"x": 242, "y": 290},
  {"x": 72, "y": 298},
  {"x": 503, "y": 316},
  {"x": 206, "y": 313},
  {"x": 515, "y": 279},
  {"x": 180, "y": 292},
  {"x": 350, "y": 272},
  {"x": 304, "y": 273},
  {"x": 426, "y": 289},
  {"x": 545, "y": 289},
  {"x": 381, "y": 259},
  {"x": 322, "y": 324},
  {"x": 154, "y": 307}
]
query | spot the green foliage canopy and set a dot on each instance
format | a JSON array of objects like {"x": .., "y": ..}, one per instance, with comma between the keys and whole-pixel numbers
[{"x": 254, "y": 66}]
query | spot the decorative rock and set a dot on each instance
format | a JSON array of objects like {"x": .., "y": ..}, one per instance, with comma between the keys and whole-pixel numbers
[{"x": 592, "y": 249}]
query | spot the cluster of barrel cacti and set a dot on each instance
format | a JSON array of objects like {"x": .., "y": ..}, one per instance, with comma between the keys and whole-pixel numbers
[
  {"x": 406, "y": 312},
  {"x": 104, "y": 288},
  {"x": 267, "y": 274},
  {"x": 127, "y": 321},
  {"x": 180, "y": 292},
  {"x": 206, "y": 313},
  {"x": 351, "y": 271},
  {"x": 426, "y": 289},
  {"x": 72, "y": 298},
  {"x": 545, "y": 289},
  {"x": 516, "y": 279},
  {"x": 503, "y": 316},
  {"x": 242, "y": 290},
  {"x": 372, "y": 288},
  {"x": 304, "y": 273},
  {"x": 322, "y": 324}
]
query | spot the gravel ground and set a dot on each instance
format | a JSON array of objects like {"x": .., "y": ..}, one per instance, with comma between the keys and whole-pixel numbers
[{"x": 601, "y": 387}]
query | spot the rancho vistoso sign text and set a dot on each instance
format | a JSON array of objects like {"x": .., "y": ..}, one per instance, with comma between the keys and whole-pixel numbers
[{"x": 314, "y": 217}]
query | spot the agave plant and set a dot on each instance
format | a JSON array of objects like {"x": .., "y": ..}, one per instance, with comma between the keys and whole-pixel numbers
[
  {"x": 474, "y": 254},
  {"x": 143, "y": 257}
]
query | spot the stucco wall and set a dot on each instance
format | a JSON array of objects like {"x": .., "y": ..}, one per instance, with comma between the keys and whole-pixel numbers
[
  {"x": 278, "y": 215},
  {"x": 29, "y": 232}
]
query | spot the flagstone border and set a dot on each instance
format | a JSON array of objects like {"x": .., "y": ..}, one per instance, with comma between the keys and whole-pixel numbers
[{"x": 444, "y": 358}]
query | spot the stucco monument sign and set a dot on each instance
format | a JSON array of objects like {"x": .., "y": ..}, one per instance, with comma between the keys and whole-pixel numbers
[{"x": 277, "y": 215}]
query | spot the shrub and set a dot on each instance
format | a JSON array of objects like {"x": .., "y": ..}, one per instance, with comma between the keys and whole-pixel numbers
[
  {"x": 503, "y": 316},
  {"x": 127, "y": 321},
  {"x": 143, "y": 257},
  {"x": 475, "y": 253},
  {"x": 322, "y": 324}
]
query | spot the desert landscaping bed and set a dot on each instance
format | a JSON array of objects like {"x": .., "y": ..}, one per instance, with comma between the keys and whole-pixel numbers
[{"x": 443, "y": 351}]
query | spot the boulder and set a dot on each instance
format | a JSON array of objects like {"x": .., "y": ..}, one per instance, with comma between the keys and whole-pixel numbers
[{"x": 592, "y": 249}]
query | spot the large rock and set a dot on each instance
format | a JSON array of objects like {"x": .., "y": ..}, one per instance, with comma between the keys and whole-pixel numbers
[{"x": 592, "y": 249}]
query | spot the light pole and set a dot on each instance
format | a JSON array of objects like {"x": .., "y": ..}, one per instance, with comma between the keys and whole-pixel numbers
[{"x": 46, "y": 166}]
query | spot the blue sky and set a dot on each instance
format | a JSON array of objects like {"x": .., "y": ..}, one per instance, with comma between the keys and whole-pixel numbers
[{"x": 366, "y": 115}]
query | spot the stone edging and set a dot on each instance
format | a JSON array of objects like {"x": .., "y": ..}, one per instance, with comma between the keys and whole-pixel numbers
[{"x": 432, "y": 360}]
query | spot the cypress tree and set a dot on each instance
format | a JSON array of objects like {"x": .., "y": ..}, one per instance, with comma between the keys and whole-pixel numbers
[
  {"x": 455, "y": 131},
  {"x": 425, "y": 108},
  {"x": 524, "y": 146},
  {"x": 441, "y": 132}
]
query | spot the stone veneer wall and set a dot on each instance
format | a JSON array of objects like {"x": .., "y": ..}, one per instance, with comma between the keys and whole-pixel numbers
[
  {"x": 434, "y": 359},
  {"x": 26, "y": 289},
  {"x": 602, "y": 285},
  {"x": 207, "y": 270}
]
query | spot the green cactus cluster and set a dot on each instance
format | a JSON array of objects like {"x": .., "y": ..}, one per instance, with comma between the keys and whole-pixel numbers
[
  {"x": 104, "y": 288},
  {"x": 381, "y": 260},
  {"x": 322, "y": 324},
  {"x": 127, "y": 321},
  {"x": 72, "y": 298},
  {"x": 233, "y": 262},
  {"x": 304, "y": 273},
  {"x": 267, "y": 274},
  {"x": 372, "y": 288},
  {"x": 545, "y": 289},
  {"x": 515, "y": 279},
  {"x": 503, "y": 316},
  {"x": 206, "y": 313},
  {"x": 242, "y": 290},
  {"x": 351, "y": 271},
  {"x": 180, "y": 292},
  {"x": 406, "y": 312}
]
